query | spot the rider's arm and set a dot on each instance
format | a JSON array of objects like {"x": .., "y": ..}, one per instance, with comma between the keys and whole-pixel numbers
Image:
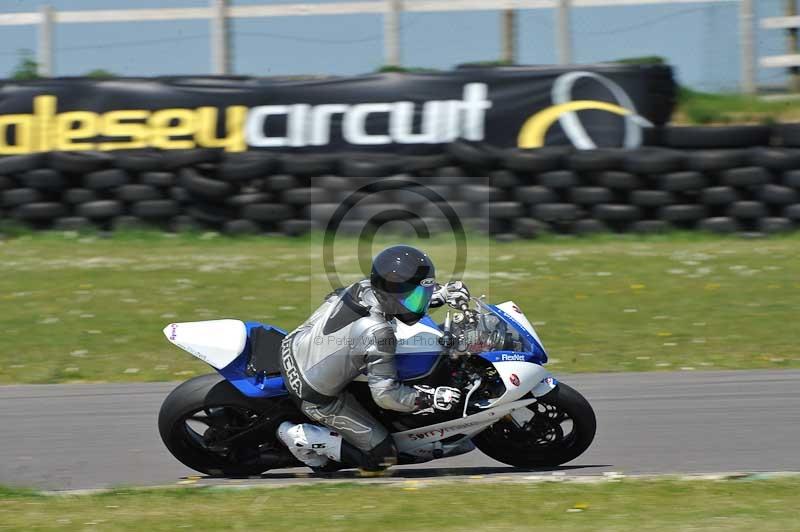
[{"x": 387, "y": 391}]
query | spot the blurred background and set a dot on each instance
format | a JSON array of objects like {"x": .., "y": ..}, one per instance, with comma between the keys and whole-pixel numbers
[{"x": 702, "y": 39}]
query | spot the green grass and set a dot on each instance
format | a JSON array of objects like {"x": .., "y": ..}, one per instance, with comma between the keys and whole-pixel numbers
[
  {"x": 89, "y": 309},
  {"x": 628, "y": 505},
  {"x": 696, "y": 107}
]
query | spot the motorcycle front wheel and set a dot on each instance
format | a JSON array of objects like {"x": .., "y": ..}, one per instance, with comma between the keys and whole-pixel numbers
[
  {"x": 208, "y": 425},
  {"x": 560, "y": 427}
]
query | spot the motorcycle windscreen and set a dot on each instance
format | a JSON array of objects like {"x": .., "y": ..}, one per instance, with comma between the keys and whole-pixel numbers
[{"x": 512, "y": 311}]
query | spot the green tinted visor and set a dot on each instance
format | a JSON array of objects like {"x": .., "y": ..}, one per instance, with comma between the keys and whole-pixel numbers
[{"x": 418, "y": 299}]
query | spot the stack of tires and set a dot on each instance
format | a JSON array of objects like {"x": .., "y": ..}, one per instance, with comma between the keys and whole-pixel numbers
[
  {"x": 749, "y": 186},
  {"x": 732, "y": 182},
  {"x": 729, "y": 179},
  {"x": 336, "y": 197},
  {"x": 78, "y": 190},
  {"x": 170, "y": 190},
  {"x": 581, "y": 192}
]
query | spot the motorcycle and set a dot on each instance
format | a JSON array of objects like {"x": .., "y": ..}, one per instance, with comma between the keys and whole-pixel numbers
[{"x": 512, "y": 408}]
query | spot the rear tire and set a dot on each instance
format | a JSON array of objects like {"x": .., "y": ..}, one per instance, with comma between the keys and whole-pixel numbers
[
  {"x": 541, "y": 442},
  {"x": 214, "y": 397}
]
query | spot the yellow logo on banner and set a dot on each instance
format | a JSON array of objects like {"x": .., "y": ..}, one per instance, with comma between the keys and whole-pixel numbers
[
  {"x": 535, "y": 128},
  {"x": 48, "y": 129}
]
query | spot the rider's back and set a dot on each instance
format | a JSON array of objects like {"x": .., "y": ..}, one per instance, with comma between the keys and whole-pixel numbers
[{"x": 330, "y": 348}]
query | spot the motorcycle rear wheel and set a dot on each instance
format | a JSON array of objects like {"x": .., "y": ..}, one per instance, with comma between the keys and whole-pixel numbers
[
  {"x": 561, "y": 428},
  {"x": 209, "y": 426}
]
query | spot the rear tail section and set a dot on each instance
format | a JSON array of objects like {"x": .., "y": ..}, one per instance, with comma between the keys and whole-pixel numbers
[
  {"x": 245, "y": 353},
  {"x": 216, "y": 342}
]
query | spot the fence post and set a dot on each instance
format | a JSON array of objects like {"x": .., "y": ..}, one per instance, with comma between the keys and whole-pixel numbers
[
  {"x": 391, "y": 32},
  {"x": 220, "y": 39},
  {"x": 747, "y": 55},
  {"x": 44, "y": 49},
  {"x": 564, "y": 32},
  {"x": 790, "y": 10},
  {"x": 509, "y": 31}
]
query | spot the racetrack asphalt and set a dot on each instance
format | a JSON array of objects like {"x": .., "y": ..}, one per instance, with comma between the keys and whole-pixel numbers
[{"x": 102, "y": 435}]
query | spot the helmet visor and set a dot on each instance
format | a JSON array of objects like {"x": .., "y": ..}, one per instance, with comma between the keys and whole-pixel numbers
[{"x": 418, "y": 299}]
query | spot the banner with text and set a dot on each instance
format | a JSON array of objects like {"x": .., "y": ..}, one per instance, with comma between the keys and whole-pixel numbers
[{"x": 528, "y": 107}]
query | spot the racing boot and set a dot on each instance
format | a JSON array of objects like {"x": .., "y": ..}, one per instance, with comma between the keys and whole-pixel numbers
[{"x": 311, "y": 444}]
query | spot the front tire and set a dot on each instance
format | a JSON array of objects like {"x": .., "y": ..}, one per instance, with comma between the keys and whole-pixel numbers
[
  {"x": 211, "y": 427},
  {"x": 561, "y": 428}
]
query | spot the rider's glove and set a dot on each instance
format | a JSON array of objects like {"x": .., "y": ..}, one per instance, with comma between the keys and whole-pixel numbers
[
  {"x": 441, "y": 398},
  {"x": 454, "y": 293}
]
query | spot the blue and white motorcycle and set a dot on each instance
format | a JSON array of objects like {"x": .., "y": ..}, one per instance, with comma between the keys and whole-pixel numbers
[{"x": 512, "y": 408}]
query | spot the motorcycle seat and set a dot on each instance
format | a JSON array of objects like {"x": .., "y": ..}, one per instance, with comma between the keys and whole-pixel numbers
[{"x": 265, "y": 350}]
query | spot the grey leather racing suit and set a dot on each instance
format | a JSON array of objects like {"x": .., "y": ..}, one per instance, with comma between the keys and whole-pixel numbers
[{"x": 346, "y": 336}]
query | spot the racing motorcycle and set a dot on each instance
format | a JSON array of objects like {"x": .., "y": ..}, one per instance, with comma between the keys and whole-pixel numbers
[{"x": 512, "y": 408}]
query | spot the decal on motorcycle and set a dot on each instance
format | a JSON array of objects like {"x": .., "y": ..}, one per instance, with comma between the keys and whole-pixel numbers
[
  {"x": 173, "y": 331},
  {"x": 440, "y": 432},
  {"x": 513, "y": 358},
  {"x": 295, "y": 382},
  {"x": 513, "y": 379},
  {"x": 429, "y": 434}
]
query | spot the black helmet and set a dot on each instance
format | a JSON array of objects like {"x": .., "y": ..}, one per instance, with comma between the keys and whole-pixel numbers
[{"x": 403, "y": 279}]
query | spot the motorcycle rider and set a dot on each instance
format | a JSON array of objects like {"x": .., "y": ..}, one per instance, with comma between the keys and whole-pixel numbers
[{"x": 351, "y": 333}]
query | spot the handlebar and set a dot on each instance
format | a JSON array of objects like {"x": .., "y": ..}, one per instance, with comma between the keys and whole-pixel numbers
[
  {"x": 468, "y": 313},
  {"x": 447, "y": 340}
]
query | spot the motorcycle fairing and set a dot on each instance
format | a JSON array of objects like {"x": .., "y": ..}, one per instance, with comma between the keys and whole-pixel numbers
[
  {"x": 512, "y": 315},
  {"x": 424, "y": 442},
  {"x": 225, "y": 345},
  {"x": 520, "y": 373},
  {"x": 418, "y": 348},
  {"x": 513, "y": 356},
  {"x": 215, "y": 342},
  {"x": 257, "y": 385}
]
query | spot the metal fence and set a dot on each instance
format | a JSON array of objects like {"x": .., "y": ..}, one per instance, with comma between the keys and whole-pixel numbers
[{"x": 220, "y": 12}]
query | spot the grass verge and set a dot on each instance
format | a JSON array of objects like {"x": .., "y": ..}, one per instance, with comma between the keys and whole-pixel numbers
[
  {"x": 80, "y": 308},
  {"x": 633, "y": 505},
  {"x": 695, "y": 107}
]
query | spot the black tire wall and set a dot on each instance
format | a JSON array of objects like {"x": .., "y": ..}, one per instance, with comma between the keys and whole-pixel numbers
[{"x": 728, "y": 179}]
